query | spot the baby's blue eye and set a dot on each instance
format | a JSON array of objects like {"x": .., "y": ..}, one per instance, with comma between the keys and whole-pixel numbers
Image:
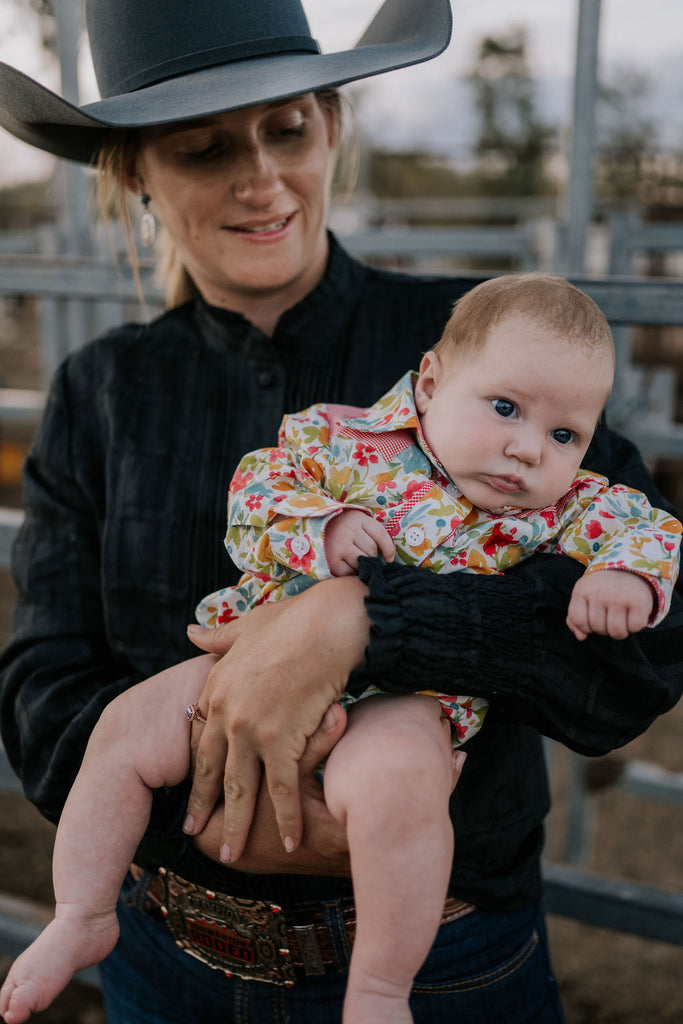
[
  {"x": 504, "y": 407},
  {"x": 563, "y": 436}
]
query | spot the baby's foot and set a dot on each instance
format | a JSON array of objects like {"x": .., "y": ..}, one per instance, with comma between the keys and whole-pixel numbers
[{"x": 68, "y": 944}]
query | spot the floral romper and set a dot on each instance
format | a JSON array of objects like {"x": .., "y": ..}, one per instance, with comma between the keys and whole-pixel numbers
[{"x": 332, "y": 457}]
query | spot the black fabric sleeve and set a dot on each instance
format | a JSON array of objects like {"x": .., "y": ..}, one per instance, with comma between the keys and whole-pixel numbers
[
  {"x": 57, "y": 673},
  {"x": 505, "y": 638}
]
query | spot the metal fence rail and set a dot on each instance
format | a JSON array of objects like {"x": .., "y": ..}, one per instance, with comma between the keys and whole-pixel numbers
[
  {"x": 72, "y": 277},
  {"x": 608, "y": 903},
  {"x": 415, "y": 244},
  {"x": 629, "y": 235}
]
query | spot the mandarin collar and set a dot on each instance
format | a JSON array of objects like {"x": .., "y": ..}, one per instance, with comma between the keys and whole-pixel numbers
[{"x": 342, "y": 282}]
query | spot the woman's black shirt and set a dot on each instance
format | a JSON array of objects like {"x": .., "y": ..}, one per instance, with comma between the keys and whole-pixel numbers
[{"x": 125, "y": 496}]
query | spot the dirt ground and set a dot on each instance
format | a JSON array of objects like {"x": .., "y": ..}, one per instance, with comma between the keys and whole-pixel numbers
[{"x": 606, "y": 977}]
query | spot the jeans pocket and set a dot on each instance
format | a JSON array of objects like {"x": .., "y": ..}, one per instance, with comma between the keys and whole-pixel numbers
[
  {"x": 486, "y": 979},
  {"x": 490, "y": 969}
]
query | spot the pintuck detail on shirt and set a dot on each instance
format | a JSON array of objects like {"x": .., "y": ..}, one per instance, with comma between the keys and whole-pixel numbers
[{"x": 125, "y": 513}]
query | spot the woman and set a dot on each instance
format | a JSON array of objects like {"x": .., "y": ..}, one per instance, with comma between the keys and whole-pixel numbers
[{"x": 226, "y": 128}]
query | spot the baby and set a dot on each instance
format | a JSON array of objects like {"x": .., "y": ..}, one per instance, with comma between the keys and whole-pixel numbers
[{"x": 471, "y": 464}]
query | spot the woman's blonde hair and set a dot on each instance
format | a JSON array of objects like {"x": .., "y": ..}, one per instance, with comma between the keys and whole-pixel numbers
[{"x": 117, "y": 155}]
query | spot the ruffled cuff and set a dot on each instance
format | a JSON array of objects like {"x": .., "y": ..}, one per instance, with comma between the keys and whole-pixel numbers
[{"x": 457, "y": 632}]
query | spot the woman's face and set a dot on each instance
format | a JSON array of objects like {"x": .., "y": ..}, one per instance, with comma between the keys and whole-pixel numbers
[{"x": 244, "y": 196}]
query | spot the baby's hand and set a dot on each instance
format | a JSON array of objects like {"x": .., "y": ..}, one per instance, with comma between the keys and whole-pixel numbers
[
  {"x": 612, "y": 602},
  {"x": 351, "y": 534}
]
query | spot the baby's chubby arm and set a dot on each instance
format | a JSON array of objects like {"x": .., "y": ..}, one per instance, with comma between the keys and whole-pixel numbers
[
  {"x": 349, "y": 535},
  {"x": 612, "y": 602}
]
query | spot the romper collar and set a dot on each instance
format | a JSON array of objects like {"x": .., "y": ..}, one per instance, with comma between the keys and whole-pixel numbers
[{"x": 394, "y": 411}]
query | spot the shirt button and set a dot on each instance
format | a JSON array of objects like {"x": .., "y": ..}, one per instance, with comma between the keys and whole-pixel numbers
[
  {"x": 266, "y": 378},
  {"x": 300, "y": 546},
  {"x": 415, "y": 535}
]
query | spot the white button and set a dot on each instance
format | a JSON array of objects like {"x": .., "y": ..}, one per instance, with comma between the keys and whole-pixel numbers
[
  {"x": 415, "y": 535},
  {"x": 300, "y": 546}
]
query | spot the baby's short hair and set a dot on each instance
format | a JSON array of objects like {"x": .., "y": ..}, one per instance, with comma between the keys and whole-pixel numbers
[{"x": 549, "y": 301}]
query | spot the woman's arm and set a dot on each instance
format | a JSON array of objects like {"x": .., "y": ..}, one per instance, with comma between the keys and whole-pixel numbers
[
  {"x": 505, "y": 637},
  {"x": 56, "y": 674}
]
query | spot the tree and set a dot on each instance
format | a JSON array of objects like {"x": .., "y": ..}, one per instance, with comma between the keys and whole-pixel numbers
[
  {"x": 625, "y": 134},
  {"x": 512, "y": 140}
]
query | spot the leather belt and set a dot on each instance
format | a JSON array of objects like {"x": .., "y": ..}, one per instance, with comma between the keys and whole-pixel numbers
[{"x": 256, "y": 939}]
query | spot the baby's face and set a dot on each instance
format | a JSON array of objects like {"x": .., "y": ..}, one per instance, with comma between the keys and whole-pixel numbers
[{"x": 511, "y": 423}]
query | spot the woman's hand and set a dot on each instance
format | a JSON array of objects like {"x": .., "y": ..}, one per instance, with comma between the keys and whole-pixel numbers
[
  {"x": 283, "y": 665},
  {"x": 324, "y": 848}
]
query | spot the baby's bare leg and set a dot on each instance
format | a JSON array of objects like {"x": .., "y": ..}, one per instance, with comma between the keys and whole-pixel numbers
[
  {"x": 141, "y": 742},
  {"x": 389, "y": 779}
]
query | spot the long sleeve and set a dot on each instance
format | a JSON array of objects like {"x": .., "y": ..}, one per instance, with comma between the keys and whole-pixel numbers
[
  {"x": 276, "y": 519},
  {"x": 279, "y": 505},
  {"x": 58, "y": 673},
  {"x": 617, "y": 528},
  {"x": 281, "y": 499},
  {"x": 505, "y": 638},
  {"x": 122, "y": 532}
]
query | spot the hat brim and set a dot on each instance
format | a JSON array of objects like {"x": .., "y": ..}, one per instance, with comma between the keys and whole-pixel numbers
[{"x": 43, "y": 119}]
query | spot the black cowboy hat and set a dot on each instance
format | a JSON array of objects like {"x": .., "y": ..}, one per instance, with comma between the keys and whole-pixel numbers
[{"x": 159, "y": 61}]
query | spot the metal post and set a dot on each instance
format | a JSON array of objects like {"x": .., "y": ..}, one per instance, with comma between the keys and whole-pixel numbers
[
  {"x": 69, "y": 21},
  {"x": 75, "y": 225},
  {"x": 580, "y": 188}
]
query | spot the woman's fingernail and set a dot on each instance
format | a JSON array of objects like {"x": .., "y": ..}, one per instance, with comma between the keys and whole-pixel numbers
[
  {"x": 188, "y": 824},
  {"x": 225, "y": 854},
  {"x": 194, "y": 629},
  {"x": 288, "y": 844},
  {"x": 330, "y": 719},
  {"x": 459, "y": 758}
]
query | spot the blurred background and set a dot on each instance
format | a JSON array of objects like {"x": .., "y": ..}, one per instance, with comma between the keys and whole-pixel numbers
[{"x": 548, "y": 136}]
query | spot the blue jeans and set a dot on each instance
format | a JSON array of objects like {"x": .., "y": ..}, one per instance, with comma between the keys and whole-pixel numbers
[{"x": 484, "y": 968}]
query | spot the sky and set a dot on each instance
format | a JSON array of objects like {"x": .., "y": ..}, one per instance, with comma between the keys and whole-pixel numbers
[{"x": 429, "y": 106}]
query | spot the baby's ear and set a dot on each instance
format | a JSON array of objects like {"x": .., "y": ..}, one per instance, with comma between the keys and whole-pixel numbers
[{"x": 428, "y": 377}]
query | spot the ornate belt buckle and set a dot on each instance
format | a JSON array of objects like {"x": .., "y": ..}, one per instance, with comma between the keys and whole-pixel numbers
[{"x": 246, "y": 938}]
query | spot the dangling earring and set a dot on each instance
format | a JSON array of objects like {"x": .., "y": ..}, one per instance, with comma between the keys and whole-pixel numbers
[{"x": 148, "y": 224}]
